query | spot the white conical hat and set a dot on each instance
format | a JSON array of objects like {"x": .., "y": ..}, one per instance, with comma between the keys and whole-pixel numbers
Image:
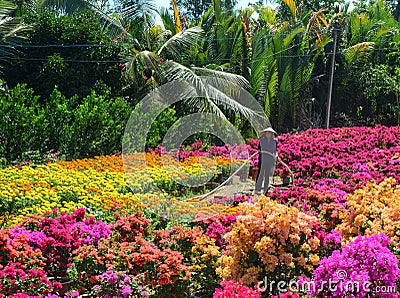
[{"x": 270, "y": 129}]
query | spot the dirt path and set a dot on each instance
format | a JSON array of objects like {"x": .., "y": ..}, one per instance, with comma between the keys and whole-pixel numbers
[{"x": 241, "y": 187}]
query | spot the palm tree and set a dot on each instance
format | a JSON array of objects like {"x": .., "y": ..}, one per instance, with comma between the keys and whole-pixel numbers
[
  {"x": 154, "y": 56},
  {"x": 11, "y": 31},
  {"x": 365, "y": 39},
  {"x": 149, "y": 69},
  {"x": 283, "y": 59},
  {"x": 376, "y": 25},
  {"x": 227, "y": 43}
]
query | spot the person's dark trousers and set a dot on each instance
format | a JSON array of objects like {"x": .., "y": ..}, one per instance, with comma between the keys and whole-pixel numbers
[{"x": 267, "y": 164}]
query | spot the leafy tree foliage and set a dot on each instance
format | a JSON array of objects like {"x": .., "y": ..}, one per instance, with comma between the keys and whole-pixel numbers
[
  {"x": 194, "y": 9},
  {"x": 382, "y": 88},
  {"x": 282, "y": 55},
  {"x": 70, "y": 52}
]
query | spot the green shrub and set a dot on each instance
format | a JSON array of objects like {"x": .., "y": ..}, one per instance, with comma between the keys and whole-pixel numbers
[
  {"x": 160, "y": 127},
  {"x": 23, "y": 125},
  {"x": 141, "y": 118},
  {"x": 96, "y": 127},
  {"x": 75, "y": 128}
]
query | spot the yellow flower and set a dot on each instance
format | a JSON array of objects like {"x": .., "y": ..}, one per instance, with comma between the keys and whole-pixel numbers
[
  {"x": 305, "y": 247},
  {"x": 373, "y": 209},
  {"x": 314, "y": 243},
  {"x": 314, "y": 259}
]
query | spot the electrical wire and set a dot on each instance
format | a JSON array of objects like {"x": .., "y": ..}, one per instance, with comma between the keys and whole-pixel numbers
[{"x": 199, "y": 40}]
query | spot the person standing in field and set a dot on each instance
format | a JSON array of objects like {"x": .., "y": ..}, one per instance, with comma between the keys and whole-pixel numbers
[{"x": 267, "y": 154}]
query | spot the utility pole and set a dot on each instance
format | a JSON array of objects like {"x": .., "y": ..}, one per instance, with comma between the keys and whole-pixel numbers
[{"x": 328, "y": 107}]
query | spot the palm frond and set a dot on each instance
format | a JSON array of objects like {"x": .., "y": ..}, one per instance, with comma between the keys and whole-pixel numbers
[
  {"x": 217, "y": 11},
  {"x": 11, "y": 32},
  {"x": 264, "y": 74},
  {"x": 6, "y": 7},
  {"x": 292, "y": 34},
  {"x": 358, "y": 51},
  {"x": 359, "y": 24},
  {"x": 218, "y": 75},
  {"x": 180, "y": 42},
  {"x": 292, "y": 7},
  {"x": 217, "y": 91},
  {"x": 237, "y": 49},
  {"x": 231, "y": 42},
  {"x": 177, "y": 72},
  {"x": 140, "y": 9},
  {"x": 167, "y": 20},
  {"x": 207, "y": 19},
  {"x": 316, "y": 24},
  {"x": 147, "y": 59},
  {"x": 270, "y": 79},
  {"x": 302, "y": 75},
  {"x": 232, "y": 97},
  {"x": 259, "y": 53},
  {"x": 284, "y": 94},
  {"x": 383, "y": 33},
  {"x": 268, "y": 14},
  {"x": 380, "y": 12}
]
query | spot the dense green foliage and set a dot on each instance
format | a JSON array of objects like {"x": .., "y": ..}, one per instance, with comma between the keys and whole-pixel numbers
[
  {"x": 89, "y": 127},
  {"x": 73, "y": 127},
  {"x": 83, "y": 73},
  {"x": 71, "y": 52}
]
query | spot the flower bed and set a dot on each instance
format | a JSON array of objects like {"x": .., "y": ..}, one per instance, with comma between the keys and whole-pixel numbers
[{"x": 77, "y": 227}]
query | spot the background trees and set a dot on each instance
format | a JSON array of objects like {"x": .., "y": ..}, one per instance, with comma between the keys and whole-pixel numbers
[
  {"x": 193, "y": 10},
  {"x": 281, "y": 54},
  {"x": 68, "y": 51}
]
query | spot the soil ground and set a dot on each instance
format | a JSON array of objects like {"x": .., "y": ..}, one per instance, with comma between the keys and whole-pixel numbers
[{"x": 242, "y": 187}]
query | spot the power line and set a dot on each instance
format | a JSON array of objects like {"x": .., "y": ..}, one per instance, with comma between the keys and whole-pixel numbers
[
  {"x": 327, "y": 30},
  {"x": 66, "y": 60},
  {"x": 221, "y": 59}
]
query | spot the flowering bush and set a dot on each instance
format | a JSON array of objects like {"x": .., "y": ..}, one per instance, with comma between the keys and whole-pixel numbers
[
  {"x": 217, "y": 226},
  {"x": 319, "y": 201},
  {"x": 14, "y": 280},
  {"x": 233, "y": 289},
  {"x": 59, "y": 234},
  {"x": 118, "y": 285},
  {"x": 22, "y": 248},
  {"x": 372, "y": 210},
  {"x": 126, "y": 229},
  {"x": 205, "y": 255},
  {"x": 359, "y": 269},
  {"x": 161, "y": 267},
  {"x": 269, "y": 239},
  {"x": 330, "y": 242}
]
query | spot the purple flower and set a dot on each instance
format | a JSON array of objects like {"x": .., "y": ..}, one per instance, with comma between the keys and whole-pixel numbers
[
  {"x": 365, "y": 262},
  {"x": 126, "y": 290}
]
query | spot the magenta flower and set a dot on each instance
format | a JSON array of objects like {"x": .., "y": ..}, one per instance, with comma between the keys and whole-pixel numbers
[{"x": 365, "y": 263}]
